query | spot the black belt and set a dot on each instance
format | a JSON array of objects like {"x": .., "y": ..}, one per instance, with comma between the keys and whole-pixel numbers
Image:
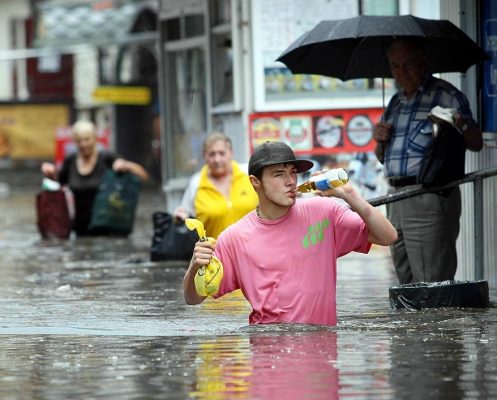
[{"x": 400, "y": 181}]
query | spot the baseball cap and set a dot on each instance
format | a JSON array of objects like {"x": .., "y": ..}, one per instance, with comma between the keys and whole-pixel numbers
[{"x": 271, "y": 153}]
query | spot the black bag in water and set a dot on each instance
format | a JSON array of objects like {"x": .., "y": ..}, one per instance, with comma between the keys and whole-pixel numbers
[
  {"x": 171, "y": 240},
  {"x": 415, "y": 296},
  {"x": 115, "y": 204}
]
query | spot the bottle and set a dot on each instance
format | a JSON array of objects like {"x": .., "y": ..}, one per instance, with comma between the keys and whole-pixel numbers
[{"x": 328, "y": 180}]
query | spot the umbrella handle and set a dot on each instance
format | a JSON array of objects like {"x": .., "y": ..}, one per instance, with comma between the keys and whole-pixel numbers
[{"x": 383, "y": 93}]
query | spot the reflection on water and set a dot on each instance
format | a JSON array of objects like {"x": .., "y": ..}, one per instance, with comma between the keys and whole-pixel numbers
[
  {"x": 94, "y": 319},
  {"x": 264, "y": 366}
]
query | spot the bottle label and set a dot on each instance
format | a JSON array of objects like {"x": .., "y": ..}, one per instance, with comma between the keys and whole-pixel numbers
[{"x": 323, "y": 184}]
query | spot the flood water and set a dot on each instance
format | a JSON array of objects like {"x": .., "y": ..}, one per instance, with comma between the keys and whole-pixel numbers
[{"x": 94, "y": 319}]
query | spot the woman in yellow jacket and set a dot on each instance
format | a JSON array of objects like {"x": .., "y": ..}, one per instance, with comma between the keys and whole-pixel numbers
[{"x": 220, "y": 193}]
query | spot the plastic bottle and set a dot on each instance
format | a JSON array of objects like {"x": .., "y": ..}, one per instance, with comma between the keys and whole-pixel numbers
[{"x": 328, "y": 180}]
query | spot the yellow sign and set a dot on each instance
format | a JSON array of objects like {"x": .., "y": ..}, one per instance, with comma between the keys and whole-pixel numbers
[
  {"x": 27, "y": 131},
  {"x": 131, "y": 95}
]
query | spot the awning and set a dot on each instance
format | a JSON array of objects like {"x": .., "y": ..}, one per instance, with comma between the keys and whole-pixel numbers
[
  {"x": 82, "y": 22},
  {"x": 71, "y": 29}
]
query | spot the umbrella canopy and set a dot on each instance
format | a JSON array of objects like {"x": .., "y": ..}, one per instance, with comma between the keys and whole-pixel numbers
[{"x": 356, "y": 47}]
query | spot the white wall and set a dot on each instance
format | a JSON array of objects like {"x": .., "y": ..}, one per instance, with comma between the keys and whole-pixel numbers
[
  {"x": 9, "y": 10},
  {"x": 85, "y": 77}
]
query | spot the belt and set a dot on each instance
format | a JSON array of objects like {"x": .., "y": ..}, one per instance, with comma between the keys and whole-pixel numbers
[{"x": 400, "y": 181}]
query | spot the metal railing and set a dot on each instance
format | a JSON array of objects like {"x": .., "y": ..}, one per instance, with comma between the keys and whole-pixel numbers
[{"x": 477, "y": 179}]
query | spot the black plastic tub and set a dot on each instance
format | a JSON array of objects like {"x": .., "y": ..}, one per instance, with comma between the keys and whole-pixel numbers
[{"x": 415, "y": 296}]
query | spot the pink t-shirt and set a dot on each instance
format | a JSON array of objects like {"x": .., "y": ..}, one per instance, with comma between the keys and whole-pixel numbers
[{"x": 286, "y": 268}]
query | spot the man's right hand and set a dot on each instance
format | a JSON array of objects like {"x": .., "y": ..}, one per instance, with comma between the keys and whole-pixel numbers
[
  {"x": 202, "y": 254},
  {"x": 382, "y": 132}
]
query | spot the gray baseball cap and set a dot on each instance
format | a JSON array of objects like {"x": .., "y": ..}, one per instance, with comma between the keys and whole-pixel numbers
[{"x": 271, "y": 153}]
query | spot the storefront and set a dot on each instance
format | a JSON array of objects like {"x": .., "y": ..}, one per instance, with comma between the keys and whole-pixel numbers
[
  {"x": 219, "y": 73},
  {"x": 96, "y": 57},
  {"x": 119, "y": 65}
]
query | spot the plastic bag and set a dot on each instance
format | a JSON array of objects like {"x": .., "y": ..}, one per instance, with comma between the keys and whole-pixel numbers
[
  {"x": 114, "y": 207},
  {"x": 444, "y": 159},
  {"x": 415, "y": 296},
  {"x": 53, "y": 215},
  {"x": 171, "y": 240},
  {"x": 208, "y": 277}
]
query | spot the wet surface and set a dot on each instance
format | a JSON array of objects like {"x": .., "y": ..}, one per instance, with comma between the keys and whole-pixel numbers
[{"x": 94, "y": 319}]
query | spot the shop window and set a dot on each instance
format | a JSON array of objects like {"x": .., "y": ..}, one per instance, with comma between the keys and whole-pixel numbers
[
  {"x": 276, "y": 88},
  {"x": 172, "y": 29},
  {"x": 194, "y": 25},
  {"x": 379, "y": 7},
  {"x": 186, "y": 26},
  {"x": 220, "y": 12},
  {"x": 221, "y": 55},
  {"x": 188, "y": 106},
  {"x": 185, "y": 78},
  {"x": 222, "y": 70}
]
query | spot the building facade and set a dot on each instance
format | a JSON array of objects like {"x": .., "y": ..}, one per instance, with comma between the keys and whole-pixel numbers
[
  {"x": 97, "y": 58},
  {"x": 218, "y": 72},
  {"x": 210, "y": 65}
]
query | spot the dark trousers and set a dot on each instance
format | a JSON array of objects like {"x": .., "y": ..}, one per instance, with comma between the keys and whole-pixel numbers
[{"x": 428, "y": 226}]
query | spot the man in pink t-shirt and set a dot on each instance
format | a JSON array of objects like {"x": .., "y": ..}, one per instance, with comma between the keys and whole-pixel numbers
[{"x": 283, "y": 255}]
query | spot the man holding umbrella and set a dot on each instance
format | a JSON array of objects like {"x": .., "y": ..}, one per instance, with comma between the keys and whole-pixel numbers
[
  {"x": 427, "y": 225},
  {"x": 410, "y": 49}
]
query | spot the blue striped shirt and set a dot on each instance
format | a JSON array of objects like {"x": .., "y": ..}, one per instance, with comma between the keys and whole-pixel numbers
[{"x": 411, "y": 131}]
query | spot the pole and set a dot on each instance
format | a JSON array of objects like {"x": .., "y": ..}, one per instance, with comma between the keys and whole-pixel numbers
[{"x": 478, "y": 226}]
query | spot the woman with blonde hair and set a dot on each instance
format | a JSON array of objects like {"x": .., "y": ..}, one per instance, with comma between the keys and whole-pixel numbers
[
  {"x": 83, "y": 171},
  {"x": 220, "y": 193}
]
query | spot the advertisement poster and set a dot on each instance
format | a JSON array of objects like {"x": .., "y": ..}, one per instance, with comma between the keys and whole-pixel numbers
[
  {"x": 317, "y": 132},
  {"x": 27, "y": 131}
]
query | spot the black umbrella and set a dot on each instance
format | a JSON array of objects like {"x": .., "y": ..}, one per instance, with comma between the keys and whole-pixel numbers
[{"x": 356, "y": 47}]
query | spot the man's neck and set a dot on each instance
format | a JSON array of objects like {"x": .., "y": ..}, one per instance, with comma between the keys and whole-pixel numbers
[
  {"x": 420, "y": 87},
  {"x": 271, "y": 212}
]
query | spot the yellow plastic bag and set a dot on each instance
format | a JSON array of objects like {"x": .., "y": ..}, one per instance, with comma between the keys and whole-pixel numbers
[{"x": 208, "y": 277}]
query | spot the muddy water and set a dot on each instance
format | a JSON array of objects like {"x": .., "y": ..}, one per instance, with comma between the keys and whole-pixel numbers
[{"x": 94, "y": 319}]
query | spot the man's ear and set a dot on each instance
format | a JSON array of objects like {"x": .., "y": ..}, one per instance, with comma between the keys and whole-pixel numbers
[{"x": 256, "y": 183}]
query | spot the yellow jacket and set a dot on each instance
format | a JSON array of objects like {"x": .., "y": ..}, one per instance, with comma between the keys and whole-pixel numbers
[{"x": 217, "y": 212}]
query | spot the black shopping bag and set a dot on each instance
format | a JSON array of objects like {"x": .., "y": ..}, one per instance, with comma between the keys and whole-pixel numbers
[
  {"x": 171, "y": 240},
  {"x": 115, "y": 204},
  {"x": 444, "y": 159},
  {"x": 52, "y": 214}
]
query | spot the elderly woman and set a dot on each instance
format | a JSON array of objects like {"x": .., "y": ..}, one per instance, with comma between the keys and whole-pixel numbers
[
  {"x": 83, "y": 171},
  {"x": 220, "y": 193}
]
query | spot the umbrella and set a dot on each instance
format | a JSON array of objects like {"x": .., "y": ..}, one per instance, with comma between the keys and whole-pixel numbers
[{"x": 356, "y": 47}]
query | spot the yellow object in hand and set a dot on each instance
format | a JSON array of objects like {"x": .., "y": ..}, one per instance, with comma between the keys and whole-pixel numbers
[{"x": 208, "y": 277}]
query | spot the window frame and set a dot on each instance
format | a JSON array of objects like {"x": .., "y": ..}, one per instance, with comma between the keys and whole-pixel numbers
[
  {"x": 216, "y": 30},
  {"x": 366, "y": 99},
  {"x": 169, "y": 49}
]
